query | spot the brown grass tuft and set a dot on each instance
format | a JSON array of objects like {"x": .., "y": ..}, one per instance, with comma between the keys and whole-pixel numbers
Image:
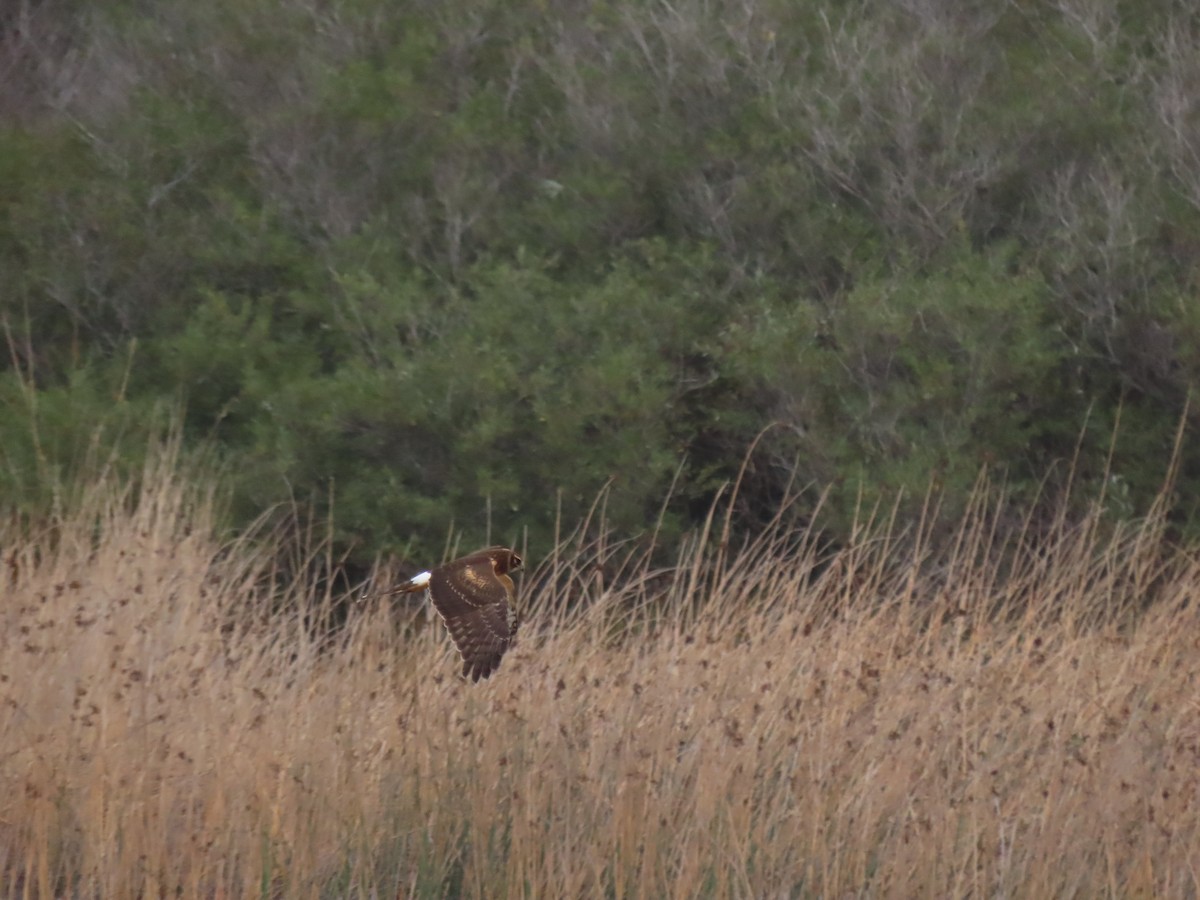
[{"x": 995, "y": 718}]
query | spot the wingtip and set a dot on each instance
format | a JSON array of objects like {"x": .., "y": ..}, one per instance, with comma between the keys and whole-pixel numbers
[{"x": 480, "y": 669}]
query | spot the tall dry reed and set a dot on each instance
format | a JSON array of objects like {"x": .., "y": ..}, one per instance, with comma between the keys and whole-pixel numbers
[{"x": 993, "y": 716}]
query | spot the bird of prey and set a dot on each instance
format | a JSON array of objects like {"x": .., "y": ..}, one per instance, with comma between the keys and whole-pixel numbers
[{"x": 475, "y": 597}]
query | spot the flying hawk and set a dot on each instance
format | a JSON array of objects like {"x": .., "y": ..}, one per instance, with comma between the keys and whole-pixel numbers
[{"x": 475, "y": 598}]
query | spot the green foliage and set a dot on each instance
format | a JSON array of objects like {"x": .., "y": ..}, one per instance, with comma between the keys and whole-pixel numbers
[
  {"x": 511, "y": 400},
  {"x": 931, "y": 376},
  {"x": 58, "y": 437},
  {"x": 468, "y": 265}
]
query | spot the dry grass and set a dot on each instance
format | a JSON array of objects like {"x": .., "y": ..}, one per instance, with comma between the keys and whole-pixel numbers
[{"x": 981, "y": 721}]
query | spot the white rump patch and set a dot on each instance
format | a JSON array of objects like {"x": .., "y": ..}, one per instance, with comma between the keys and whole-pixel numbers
[{"x": 420, "y": 580}]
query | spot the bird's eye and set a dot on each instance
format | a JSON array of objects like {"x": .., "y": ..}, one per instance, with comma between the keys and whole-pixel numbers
[{"x": 516, "y": 561}]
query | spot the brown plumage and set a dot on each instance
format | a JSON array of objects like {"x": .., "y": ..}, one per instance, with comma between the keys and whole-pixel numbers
[{"x": 475, "y": 597}]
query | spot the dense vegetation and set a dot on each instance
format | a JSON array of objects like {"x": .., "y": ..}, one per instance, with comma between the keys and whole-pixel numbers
[{"x": 462, "y": 263}]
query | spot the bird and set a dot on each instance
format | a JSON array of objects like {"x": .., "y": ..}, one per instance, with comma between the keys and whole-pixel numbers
[{"x": 476, "y": 599}]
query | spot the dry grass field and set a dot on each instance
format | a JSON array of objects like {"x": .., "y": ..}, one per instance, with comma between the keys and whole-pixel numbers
[{"x": 992, "y": 718}]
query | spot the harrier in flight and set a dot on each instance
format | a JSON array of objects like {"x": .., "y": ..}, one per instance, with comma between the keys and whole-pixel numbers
[{"x": 475, "y": 598}]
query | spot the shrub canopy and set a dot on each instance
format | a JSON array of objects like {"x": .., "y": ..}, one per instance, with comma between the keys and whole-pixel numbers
[{"x": 462, "y": 265}]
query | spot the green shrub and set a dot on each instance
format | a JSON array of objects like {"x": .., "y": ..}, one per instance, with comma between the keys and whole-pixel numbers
[{"x": 468, "y": 265}]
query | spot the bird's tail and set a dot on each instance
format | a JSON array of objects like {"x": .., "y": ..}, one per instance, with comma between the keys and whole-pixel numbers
[{"x": 416, "y": 583}]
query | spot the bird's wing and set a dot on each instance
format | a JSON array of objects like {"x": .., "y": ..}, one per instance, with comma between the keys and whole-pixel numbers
[{"x": 473, "y": 601}]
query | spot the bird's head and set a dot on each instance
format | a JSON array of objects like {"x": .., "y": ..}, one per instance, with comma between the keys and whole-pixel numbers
[{"x": 504, "y": 560}]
